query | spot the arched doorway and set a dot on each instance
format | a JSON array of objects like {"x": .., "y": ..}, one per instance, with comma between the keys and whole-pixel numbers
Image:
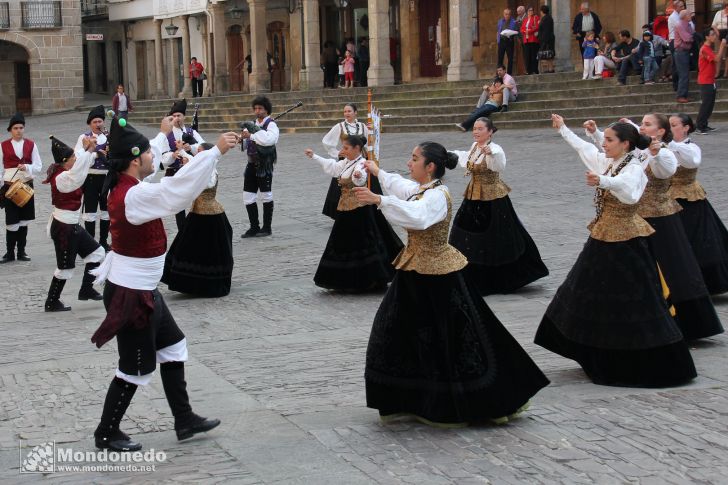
[
  {"x": 236, "y": 58},
  {"x": 277, "y": 42},
  {"x": 14, "y": 79}
]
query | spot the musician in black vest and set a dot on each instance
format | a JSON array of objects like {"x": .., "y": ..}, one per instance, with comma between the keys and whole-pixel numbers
[
  {"x": 260, "y": 138},
  {"x": 183, "y": 143},
  {"x": 94, "y": 205}
]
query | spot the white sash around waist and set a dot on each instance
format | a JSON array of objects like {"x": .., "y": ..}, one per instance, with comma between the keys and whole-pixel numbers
[{"x": 134, "y": 273}]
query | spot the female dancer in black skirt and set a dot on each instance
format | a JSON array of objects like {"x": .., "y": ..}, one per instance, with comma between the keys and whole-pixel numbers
[
  {"x": 694, "y": 311},
  {"x": 361, "y": 247},
  {"x": 501, "y": 254},
  {"x": 436, "y": 352},
  {"x": 200, "y": 260},
  {"x": 332, "y": 141},
  {"x": 610, "y": 314},
  {"x": 704, "y": 229}
]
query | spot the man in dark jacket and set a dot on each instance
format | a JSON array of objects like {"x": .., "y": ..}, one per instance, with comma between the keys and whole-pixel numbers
[{"x": 585, "y": 21}]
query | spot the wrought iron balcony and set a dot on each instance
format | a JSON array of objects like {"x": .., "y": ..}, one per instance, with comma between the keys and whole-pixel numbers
[
  {"x": 4, "y": 15},
  {"x": 41, "y": 14},
  {"x": 92, "y": 8}
]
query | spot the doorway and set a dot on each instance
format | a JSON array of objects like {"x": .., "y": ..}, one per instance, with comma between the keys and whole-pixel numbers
[
  {"x": 236, "y": 58},
  {"x": 277, "y": 41},
  {"x": 430, "y": 39}
]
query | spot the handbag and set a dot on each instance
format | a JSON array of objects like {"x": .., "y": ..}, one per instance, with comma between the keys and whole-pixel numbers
[
  {"x": 545, "y": 55},
  {"x": 203, "y": 76}
]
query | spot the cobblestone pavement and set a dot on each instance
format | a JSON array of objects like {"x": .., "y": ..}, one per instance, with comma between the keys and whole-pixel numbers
[{"x": 281, "y": 362}]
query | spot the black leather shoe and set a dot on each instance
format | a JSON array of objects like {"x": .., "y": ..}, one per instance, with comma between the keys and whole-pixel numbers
[
  {"x": 504, "y": 108},
  {"x": 197, "y": 424},
  {"x": 8, "y": 257},
  {"x": 89, "y": 294},
  {"x": 119, "y": 441},
  {"x": 264, "y": 232},
  {"x": 23, "y": 257},
  {"x": 252, "y": 232},
  {"x": 56, "y": 306}
]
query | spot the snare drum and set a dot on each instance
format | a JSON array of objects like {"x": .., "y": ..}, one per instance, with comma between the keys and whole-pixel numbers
[{"x": 19, "y": 193}]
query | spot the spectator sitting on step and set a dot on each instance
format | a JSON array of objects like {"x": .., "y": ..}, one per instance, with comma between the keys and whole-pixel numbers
[
  {"x": 493, "y": 104},
  {"x": 626, "y": 57},
  {"x": 603, "y": 60},
  {"x": 509, "y": 88}
]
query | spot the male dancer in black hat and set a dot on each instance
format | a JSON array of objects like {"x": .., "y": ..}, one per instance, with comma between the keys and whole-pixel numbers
[
  {"x": 21, "y": 161},
  {"x": 66, "y": 177},
  {"x": 92, "y": 187},
  {"x": 260, "y": 145},
  {"x": 137, "y": 315},
  {"x": 182, "y": 141}
]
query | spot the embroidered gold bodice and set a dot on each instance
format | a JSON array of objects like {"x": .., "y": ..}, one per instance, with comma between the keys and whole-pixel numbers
[
  {"x": 618, "y": 221},
  {"x": 206, "y": 204},
  {"x": 427, "y": 251},
  {"x": 485, "y": 184},
  {"x": 348, "y": 200},
  {"x": 685, "y": 186},
  {"x": 656, "y": 201}
]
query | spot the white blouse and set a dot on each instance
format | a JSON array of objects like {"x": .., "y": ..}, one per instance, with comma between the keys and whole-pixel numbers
[
  {"x": 332, "y": 139},
  {"x": 344, "y": 168},
  {"x": 496, "y": 161},
  {"x": 419, "y": 214},
  {"x": 688, "y": 154},
  {"x": 31, "y": 170},
  {"x": 627, "y": 186},
  {"x": 663, "y": 165}
]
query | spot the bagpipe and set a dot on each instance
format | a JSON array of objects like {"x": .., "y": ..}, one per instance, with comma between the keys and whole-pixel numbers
[{"x": 189, "y": 138}]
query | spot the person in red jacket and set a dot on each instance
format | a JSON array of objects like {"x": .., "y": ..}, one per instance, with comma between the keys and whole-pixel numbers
[
  {"x": 529, "y": 31},
  {"x": 196, "y": 71},
  {"x": 121, "y": 103},
  {"x": 707, "y": 68}
]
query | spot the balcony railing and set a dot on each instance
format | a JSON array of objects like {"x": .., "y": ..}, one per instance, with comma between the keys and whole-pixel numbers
[
  {"x": 41, "y": 14},
  {"x": 94, "y": 7},
  {"x": 4, "y": 15}
]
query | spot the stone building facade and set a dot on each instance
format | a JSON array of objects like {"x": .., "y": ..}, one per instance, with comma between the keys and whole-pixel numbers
[{"x": 41, "y": 66}]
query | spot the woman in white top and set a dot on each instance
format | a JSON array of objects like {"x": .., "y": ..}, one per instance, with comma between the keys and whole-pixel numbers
[
  {"x": 501, "y": 254},
  {"x": 704, "y": 229},
  {"x": 359, "y": 253},
  {"x": 610, "y": 315},
  {"x": 436, "y": 351},
  {"x": 720, "y": 25},
  {"x": 332, "y": 142},
  {"x": 669, "y": 244}
]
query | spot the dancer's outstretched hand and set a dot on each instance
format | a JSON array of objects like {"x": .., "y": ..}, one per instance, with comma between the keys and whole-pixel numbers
[
  {"x": 166, "y": 125},
  {"x": 557, "y": 121},
  {"x": 592, "y": 179},
  {"x": 590, "y": 126},
  {"x": 227, "y": 141},
  {"x": 372, "y": 167},
  {"x": 366, "y": 196},
  {"x": 308, "y": 152}
]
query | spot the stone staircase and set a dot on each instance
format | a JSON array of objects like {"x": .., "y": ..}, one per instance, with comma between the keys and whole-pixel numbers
[{"x": 438, "y": 106}]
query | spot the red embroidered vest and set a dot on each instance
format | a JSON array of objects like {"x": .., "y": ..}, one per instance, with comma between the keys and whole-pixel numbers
[
  {"x": 11, "y": 160},
  {"x": 70, "y": 201},
  {"x": 146, "y": 240}
]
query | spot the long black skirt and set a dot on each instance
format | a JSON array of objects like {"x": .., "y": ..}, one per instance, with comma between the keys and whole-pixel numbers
[
  {"x": 200, "y": 260},
  {"x": 334, "y": 194},
  {"x": 695, "y": 314},
  {"x": 359, "y": 252},
  {"x": 610, "y": 316},
  {"x": 709, "y": 239},
  {"x": 437, "y": 351},
  {"x": 501, "y": 254}
]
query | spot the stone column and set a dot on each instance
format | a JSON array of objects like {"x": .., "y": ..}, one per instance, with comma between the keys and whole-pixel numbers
[
  {"x": 641, "y": 16},
  {"x": 260, "y": 77},
  {"x": 311, "y": 76},
  {"x": 380, "y": 71},
  {"x": 221, "y": 75},
  {"x": 186, "y": 54},
  {"x": 461, "y": 65},
  {"x": 158, "y": 61},
  {"x": 561, "y": 12}
]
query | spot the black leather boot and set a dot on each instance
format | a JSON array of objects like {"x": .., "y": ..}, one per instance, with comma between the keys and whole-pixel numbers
[
  {"x": 10, "y": 239},
  {"x": 53, "y": 302},
  {"x": 108, "y": 434},
  {"x": 22, "y": 235},
  {"x": 104, "y": 234},
  {"x": 90, "y": 228},
  {"x": 87, "y": 291},
  {"x": 267, "y": 219},
  {"x": 254, "y": 221},
  {"x": 186, "y": 423}
]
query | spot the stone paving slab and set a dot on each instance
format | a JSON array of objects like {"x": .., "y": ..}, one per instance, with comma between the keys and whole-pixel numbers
[{"x": 281, "y": 361}]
